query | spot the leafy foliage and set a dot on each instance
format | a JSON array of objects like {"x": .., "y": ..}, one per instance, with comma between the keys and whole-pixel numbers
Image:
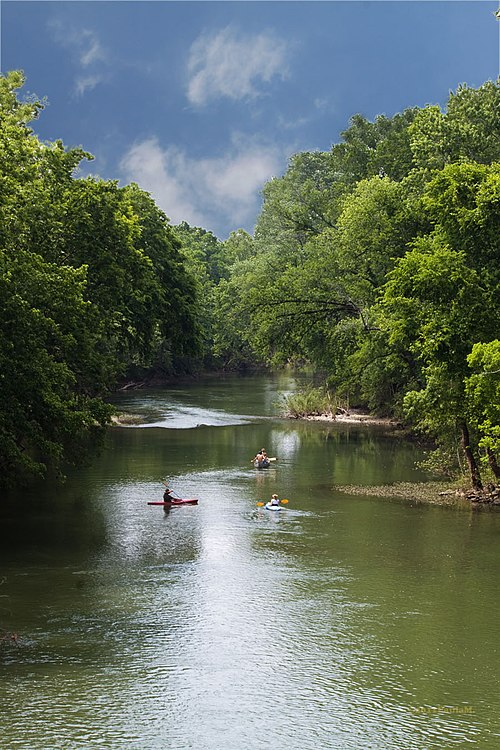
[
  {"x": 91, "y": 282},
  {"x": 378, "y": 262},
  {"x": 482, "y": 390}
]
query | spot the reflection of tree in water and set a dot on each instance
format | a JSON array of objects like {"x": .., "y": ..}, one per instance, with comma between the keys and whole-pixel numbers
[
  {"x": 346, "y": 454},
  {"x": 6, "y": 637},
  {"x": 264, "y": 476}
]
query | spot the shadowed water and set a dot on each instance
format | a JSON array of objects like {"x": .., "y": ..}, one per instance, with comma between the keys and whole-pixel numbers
[{"x": 344, "y": 622}]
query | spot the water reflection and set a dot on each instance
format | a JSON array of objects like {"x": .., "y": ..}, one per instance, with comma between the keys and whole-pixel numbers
[{"x": 340, "y": 622}]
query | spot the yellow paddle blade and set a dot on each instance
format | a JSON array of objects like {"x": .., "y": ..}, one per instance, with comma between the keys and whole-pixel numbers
[
  {"x": 260, "y": 504},
  {"x": 284, "y": 501}
]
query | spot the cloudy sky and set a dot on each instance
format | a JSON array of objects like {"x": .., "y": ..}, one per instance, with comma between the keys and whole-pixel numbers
[{"x": 201, "y": 103}]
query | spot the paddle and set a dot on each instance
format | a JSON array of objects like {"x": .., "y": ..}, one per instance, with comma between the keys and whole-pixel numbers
[
  {"x": 260, "y": 503},
  {"x": 268, "y": 459}
]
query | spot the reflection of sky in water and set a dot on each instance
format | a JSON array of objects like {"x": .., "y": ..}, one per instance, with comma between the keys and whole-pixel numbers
[
  {"x": 286, "y": 444},
  {"x": 187, "y": 417}
]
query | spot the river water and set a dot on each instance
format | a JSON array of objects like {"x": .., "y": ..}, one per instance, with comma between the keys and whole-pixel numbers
[{"x": 343, "y": 622}]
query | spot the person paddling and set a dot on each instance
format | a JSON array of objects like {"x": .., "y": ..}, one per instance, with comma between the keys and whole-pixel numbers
[
  {"x": 167, "y": 495},
  {"x": 261, "y": 458},
  {"x": 275, "y": 500}
]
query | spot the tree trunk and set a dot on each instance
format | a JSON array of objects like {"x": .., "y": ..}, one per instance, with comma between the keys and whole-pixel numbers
[
  {"x": 469, "y": 456},
  {"x": 492, "y": 460}
]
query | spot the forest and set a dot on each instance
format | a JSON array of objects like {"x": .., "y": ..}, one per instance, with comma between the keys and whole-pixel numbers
[{"x": 375, "y": 265}]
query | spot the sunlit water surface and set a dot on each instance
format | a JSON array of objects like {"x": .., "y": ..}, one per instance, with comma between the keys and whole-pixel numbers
[{"x": 344, "y": 622}]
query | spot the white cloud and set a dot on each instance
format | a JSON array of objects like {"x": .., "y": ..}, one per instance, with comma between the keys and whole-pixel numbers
[
  {"x": 163, "y": 174},
  {"x": 290, "y": 124},
  {"x": 213, "y": 192},
  {"x": 86, "y": 49},
  {"x": 227, "y": 65},
  {"x": 321, "y": 103},
  {"x": 87, "y": 83},
  {"x": 90, "y": 49}
]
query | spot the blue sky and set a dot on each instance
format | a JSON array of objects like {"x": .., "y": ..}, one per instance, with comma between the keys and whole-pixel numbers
[{"x": 201, "y": 103}]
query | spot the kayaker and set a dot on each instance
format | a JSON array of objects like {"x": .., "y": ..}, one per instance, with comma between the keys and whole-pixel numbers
[
  {"x": 261, "y": 458},
  {"x": 275, "y": 500},
  {"x": 167, "y": 495}
]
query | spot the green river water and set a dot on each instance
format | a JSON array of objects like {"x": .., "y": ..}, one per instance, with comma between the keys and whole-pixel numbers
[{"x": 343, "y": 622}]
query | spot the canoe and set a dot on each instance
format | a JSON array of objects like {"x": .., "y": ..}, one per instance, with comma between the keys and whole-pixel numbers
[
  {"x": 261, "y": 464},
  {"x": 269, "y": 506},
  {"x": 175, "y": 501}
]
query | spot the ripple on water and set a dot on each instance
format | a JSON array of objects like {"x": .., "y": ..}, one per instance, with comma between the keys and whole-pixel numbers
[{"x": 222, "y": 627}]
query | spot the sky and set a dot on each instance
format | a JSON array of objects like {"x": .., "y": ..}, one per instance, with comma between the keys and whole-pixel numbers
[{"x": 201, "y": 103}]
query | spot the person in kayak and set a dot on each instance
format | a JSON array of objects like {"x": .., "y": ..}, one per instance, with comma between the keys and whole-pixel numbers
[
  {"x": 275, "y": 500},
  {"x": 167, "y": 495},
  {"x": 261, "y": 458}
]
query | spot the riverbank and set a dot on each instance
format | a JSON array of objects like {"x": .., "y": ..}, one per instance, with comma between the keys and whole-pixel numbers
[
  {"x": 353, "y": 416},
  {"x": 431, "y": 493}
]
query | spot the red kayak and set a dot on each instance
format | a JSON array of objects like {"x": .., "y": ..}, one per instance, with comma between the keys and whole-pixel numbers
[{"x": 176, "y": 501}]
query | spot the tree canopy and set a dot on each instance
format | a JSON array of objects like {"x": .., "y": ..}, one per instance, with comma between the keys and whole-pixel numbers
[
  {"x": 378, "y": 263},
  {"x": 92, "y": 282}
]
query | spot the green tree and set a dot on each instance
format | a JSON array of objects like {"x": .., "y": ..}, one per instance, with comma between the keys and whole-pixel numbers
[
  {"x": 169, "y": 304},
  {"x": 205, "y": 262},
  {"x": 381, "y": 147},
  {"x": 92, "y": 281},
  {"x": 49, "y": 370},
  {"x": 482, "y": 390},
  {"x": 433, "y": 309},
  {"x": 466, "y": 131}
]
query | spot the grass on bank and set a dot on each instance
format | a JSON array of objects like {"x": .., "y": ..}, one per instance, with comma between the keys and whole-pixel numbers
[{"x": 311, "y": 402}]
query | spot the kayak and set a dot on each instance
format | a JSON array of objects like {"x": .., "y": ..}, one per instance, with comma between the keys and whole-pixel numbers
[
  {"x": 175, "y": 501},
  {"x": 261, "y": 464},
  {"x": 270, "y": 506}
]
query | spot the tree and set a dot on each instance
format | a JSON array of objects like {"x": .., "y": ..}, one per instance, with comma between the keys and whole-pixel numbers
[
  {"x": 206, "y": 262},
  {"x": 91, "y": 282},
  {"x": 482, "y": 390},
  {"x": 169, "y": 303},
  {"x": 433, "y": 309},
  {"x": 49, "y": 368},
  {"x": 466, "y": 131},
  {"x": 374, "y": 148},
  {"x": 379, "y": 263}
]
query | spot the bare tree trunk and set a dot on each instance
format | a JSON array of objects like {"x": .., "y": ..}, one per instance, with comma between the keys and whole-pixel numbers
[
  {"x": 492, "y": 460},
  {"x": 469, "y": 456}
]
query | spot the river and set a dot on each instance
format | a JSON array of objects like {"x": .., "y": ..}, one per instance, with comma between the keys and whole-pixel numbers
[{"x": 343, "y": 622}]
